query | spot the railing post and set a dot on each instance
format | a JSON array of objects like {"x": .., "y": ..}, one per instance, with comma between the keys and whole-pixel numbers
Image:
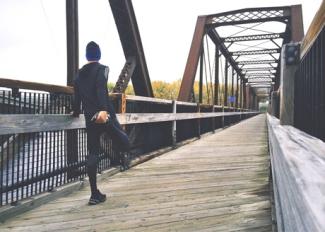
[
  {"x": 174, "y": 132},
  {"x": 223, "y": 117},
  {"x": 275, "y": 104},
  {"x": 198, "y": 121},
  {"x": 72, "y": 152},
  {"x": 289, "y": 63},
  {"x": 122, "y": 106},
  {"x": 213, "y": 121}
]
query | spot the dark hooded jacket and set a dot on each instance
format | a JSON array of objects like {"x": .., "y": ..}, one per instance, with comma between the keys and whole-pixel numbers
[{"x": 90, "y": 88}]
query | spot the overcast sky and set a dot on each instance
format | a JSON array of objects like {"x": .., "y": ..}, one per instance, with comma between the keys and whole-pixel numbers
[{"x": 33, "y": 42}]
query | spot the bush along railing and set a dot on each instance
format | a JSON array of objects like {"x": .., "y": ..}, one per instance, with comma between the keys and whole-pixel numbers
[{"x": 42, "y": 147}]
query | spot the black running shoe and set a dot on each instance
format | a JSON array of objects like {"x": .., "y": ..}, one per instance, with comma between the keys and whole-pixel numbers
[
  {"x": 97, "y": 198},
  {"x": 125, "y": 161}
]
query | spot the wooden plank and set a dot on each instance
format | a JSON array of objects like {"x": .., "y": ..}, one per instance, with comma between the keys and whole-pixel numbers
[
  {"x": 186, "y": 103},
  {"x": 9, "y": 83},
  {"x": 314, "y": 29},
  {"x": 147, "y": 99},
  {"x": 212, "y": 184},
  {"x": 28, "y": 123},
  {"x": 298, "y": 168}
]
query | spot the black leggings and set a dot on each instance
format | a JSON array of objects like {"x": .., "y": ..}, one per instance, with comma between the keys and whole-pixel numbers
[{"x": 120, "y": 142}]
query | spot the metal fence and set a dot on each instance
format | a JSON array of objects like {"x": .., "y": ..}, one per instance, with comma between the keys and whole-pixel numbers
[
  {"x": 36, "y": 162},
  {"x": 310, "y": 90}
]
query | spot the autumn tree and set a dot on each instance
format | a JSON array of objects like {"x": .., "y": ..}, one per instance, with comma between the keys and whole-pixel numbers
[{"x": 170, "y": 90}]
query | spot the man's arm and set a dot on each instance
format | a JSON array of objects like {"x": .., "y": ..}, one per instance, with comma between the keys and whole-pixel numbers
[
  {"x": 102, "y": 92},
  {"x": 109, "y": 102}
]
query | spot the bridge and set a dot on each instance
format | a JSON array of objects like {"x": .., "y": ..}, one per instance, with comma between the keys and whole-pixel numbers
[{"x": 210, "y": 160}]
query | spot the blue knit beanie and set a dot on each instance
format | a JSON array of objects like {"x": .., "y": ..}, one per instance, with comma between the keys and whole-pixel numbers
[{"x": 93, "y": 51}]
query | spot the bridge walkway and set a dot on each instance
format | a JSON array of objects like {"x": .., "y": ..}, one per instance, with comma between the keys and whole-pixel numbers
[{"x": 217, "y": 183}]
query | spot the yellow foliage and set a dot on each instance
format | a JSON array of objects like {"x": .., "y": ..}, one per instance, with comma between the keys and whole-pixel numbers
[
  {"x": 165, "y": 90},
  {"x": 170, "y": 90},
  {"x": 129, "y": 90}
]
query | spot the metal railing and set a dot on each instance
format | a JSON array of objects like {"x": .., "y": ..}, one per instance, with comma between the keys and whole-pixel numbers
[
  {"x": 310, "y": 89},
  {"x": 42, "y": 147}
]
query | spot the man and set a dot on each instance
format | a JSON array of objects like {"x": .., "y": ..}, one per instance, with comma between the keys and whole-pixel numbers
[{"x": 90, "y": 88}]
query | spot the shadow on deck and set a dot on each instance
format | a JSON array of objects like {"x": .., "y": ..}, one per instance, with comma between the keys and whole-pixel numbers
[{"x": 218, "y": 183}]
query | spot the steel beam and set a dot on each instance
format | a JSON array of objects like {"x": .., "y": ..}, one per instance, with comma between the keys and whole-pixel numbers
[
  {"x": 244, "y": 95},
  {"x": 250, "y": 15},
  {"x": 259, "y": 83},
  {"x": 248, "y": 21},
  {"x": 258, "y": 69},
  {"x": 237, "y": 91},
  {"x": 125, "y": 76},
  {"x": 127, "y": 27},
  {"x": 192, "y": 61},
  {"x": 201, "y": 76},
  {"x": 262, "y": 86},
  {"x": 259, "y": 75},
  {"x": 255, "y": 52},
  {"x": 248, "y": 62},
  {"x": 72, "y": 69},
  {"x": 261, "y": 72},
  {"x": 232, "y": 84},
  {"x": 224, "y": 50},
  {"x": 216, "y": 77},
  {"x": 225, "y": 98},
  {"x": 72, "y": 40},
  {"x": 259, "y": 79}
]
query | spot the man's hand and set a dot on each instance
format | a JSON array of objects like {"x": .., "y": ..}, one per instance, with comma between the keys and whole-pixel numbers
[
  {"x": 75, "y": 114},
  {"x": 102, "y": 117}
]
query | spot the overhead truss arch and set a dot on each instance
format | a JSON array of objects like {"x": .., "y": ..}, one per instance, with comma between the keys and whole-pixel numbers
[{"x": 253, "y": 60}]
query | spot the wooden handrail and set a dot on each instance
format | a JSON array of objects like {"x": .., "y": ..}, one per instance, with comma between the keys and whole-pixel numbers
[
  {"x": 30, "y": 123},
  {"x": 8, "y": 83},
  {"x": 298, "y": 169},
  {"x": 314, "y": 29}
]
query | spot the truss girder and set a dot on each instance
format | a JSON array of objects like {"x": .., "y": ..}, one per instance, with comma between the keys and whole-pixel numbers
[
  {"x": 253, "y": 37},
  {"x": 259, "y": 74},
  {"x": 256, "y": 52},
  {"x": 256, "y": 69},
  {"x": 250, "y": 80},
  {"x": 248, "y": 62},
  {"x": 261, "y": 61},
  {"x": 249, "y": 15},
  {"x": 259, "y": 84},
  {"x": 259, "y": 77}
]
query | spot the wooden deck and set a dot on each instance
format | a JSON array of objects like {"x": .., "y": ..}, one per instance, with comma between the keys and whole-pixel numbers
[{"x": 218, "y": 183}]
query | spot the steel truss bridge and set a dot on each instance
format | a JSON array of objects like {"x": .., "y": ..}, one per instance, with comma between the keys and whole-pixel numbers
[{"x": 196, "y": 165}]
